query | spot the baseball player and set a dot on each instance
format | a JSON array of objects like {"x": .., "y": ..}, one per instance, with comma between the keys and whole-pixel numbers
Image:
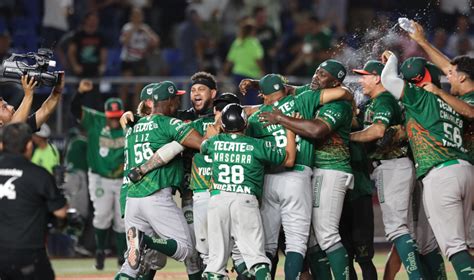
[
  {"x": 105, "y": 157},
  {"x": 356, "y": 226},
  {"x": 434, "y": 131},
  {"x": 201, "y": 173},
  {"x": 459, "y": 72},
  {"x": 332, "y": 173},
  {"x": 152, "y": 193},
  {"x": 286, "y": 196},
  {"x": 394, "y": 171},
  {"x": 237, "y": 171}
]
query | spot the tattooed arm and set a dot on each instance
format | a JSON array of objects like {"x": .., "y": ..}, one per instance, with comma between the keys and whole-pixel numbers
[{"x": 161, "y": 157}]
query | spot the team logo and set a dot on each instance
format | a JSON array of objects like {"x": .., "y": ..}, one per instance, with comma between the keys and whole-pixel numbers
[
  {"x": 276, "y": 86},
  {"x": 249, "y": 148},
  {"x": 7, "y": 189},
  {"x": 171, "y": 89},
  {"x": 188, "y": 215},
  {"x": 99, "y": 192},
  {"x": 340, "y": 74},
  {"x": 103, "y": 151},
  {"x": 324, "y": 64},
  {"x": 149, "y": 91}
]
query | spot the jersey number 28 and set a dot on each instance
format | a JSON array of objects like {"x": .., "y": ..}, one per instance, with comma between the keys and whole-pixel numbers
[{"x": 231, "y": 174}]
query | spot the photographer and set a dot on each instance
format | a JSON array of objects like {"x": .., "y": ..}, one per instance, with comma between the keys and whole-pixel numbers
[
  {"x": 29, "y": 196},
  {"x": 35, "y": 120}
]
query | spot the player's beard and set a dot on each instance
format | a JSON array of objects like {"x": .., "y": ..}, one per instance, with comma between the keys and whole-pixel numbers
[{"x": 205, "y": 107}]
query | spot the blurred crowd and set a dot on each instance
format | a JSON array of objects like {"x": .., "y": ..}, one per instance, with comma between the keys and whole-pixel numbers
[{"x": 236, "y": 38}]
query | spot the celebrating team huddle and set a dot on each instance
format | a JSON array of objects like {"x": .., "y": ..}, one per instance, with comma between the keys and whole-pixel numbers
[{"x": 296, "y": 164}]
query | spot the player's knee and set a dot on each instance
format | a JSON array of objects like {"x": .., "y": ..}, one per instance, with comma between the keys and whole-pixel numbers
[
  {"x": 183, "y": 251},
  {"x": 102, "y": 221},
  {"x": 328, "y": 240},
  {"x": 297, "y": 248}
]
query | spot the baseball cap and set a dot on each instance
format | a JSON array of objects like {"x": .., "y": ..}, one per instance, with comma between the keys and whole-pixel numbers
[
  {"x": 147, "y": 91},
  {"x": 414, "y": 70},
  {"x": 335, "y": 68},
  {"x": 113, "y": 108},
  {"x": 271, "y": 83},
  {"x": 166, "y": 90},
  {"x": 225, "y": 99},
  {"x": 44, "y": 131},
  {"x": 371, "y": 67}
]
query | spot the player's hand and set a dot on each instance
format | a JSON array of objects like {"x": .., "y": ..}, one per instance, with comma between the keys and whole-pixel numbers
[
  {"x": 135, "y": 174},
  {"x": 28, "y": 83},
  {"x": 431, "y": 88},
  {"x": 272, "y": 117},
  {"x": 85, "y": 85},
  {"x": 244, "y": 85},
  {"x": 419, "y": 34},
  {"x": 58, "y": 88},
  {"x": 385, "y": 56},
  {"x": 126, "y": 118}
]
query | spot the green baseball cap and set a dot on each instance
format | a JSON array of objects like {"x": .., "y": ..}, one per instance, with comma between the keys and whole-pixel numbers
[
  {"x": 335, "y": 68},
  {"x": 147, "y": 91},
  {"x": 413, "y": 70},
  {"x": 271, "y": 83},
  {"x": 371, "y": 67},
  {"x": 166, "y": 90},
  {"x": 113, "y": 108}
]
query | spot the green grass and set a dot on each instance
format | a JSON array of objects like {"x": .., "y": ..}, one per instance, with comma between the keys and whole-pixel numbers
[{"x": 83, "y": 269}]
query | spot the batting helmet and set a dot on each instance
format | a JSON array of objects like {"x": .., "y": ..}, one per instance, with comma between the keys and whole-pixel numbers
[
  {"x": 225, "y": 99},
  {"x": 234, "y": 118}
]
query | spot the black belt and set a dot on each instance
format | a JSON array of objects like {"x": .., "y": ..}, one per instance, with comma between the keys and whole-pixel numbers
[{"x": 376, "y": 163}]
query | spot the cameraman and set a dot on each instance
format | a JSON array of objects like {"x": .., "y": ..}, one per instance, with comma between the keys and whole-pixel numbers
[
  {"x": 35, "y": 120},
  {"x": 28, "y": 196}
]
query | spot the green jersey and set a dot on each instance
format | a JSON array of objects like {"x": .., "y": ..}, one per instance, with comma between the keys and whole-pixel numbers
[
  {"x": 276, "y": 133},
  {"x": 142, "y": 141},
  {"x": 302, "y": 89},
  {"x": 332, "y": 152},
  {"x": 76, "y": 154},
  {"x": 468, "y": 137},
  {"x": 384, "y": 109},
  {"x": 201, "y": 169},
  {"x": 238, "y": 162},
  {"x": 360, "y": 168},
  {"x": 434, "y": 129},
  {"x": 104, "y": 145}
]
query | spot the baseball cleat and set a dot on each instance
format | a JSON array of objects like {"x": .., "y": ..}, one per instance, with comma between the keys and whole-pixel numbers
[
  {"x": 99, "y": 260},
  {"x": 134, "y": 252}
]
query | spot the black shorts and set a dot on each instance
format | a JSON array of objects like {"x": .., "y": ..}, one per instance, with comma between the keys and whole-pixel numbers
[
  {"x": 25, "y": 265},
  {"x": 356, "y": 228}
]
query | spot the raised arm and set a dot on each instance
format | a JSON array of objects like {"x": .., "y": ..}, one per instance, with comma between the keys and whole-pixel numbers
[
  {"x": 76, "y": 103},
  {"x": 48, "y": 107},
  {"x": 390, "y": 79},
  {"x": 23, "y": 111},
  {"x": 435, "y": 55}
]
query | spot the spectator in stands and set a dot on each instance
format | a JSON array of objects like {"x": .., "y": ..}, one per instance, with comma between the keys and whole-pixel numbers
[
  {"x": 138, "y": 41},
  {"x": 245, "y": 57},
  {"x": 45, "y": 154},
  {"x": 267, "y": 37},
  {"x": 87, "y": 56},
  {"x": 55, "y": 23},
  {"x": 465, "y": 46},
  {"x": 87, "y": 52},
  {"x": 461, "y": 30},
  {"x": 189, "y": 35},
  {"x": 440, "y": 41}
]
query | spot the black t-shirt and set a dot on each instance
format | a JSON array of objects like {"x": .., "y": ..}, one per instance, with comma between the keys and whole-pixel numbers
[
  {"x": 28, "y": 194},
  {"x": 88, "y": 51}
]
